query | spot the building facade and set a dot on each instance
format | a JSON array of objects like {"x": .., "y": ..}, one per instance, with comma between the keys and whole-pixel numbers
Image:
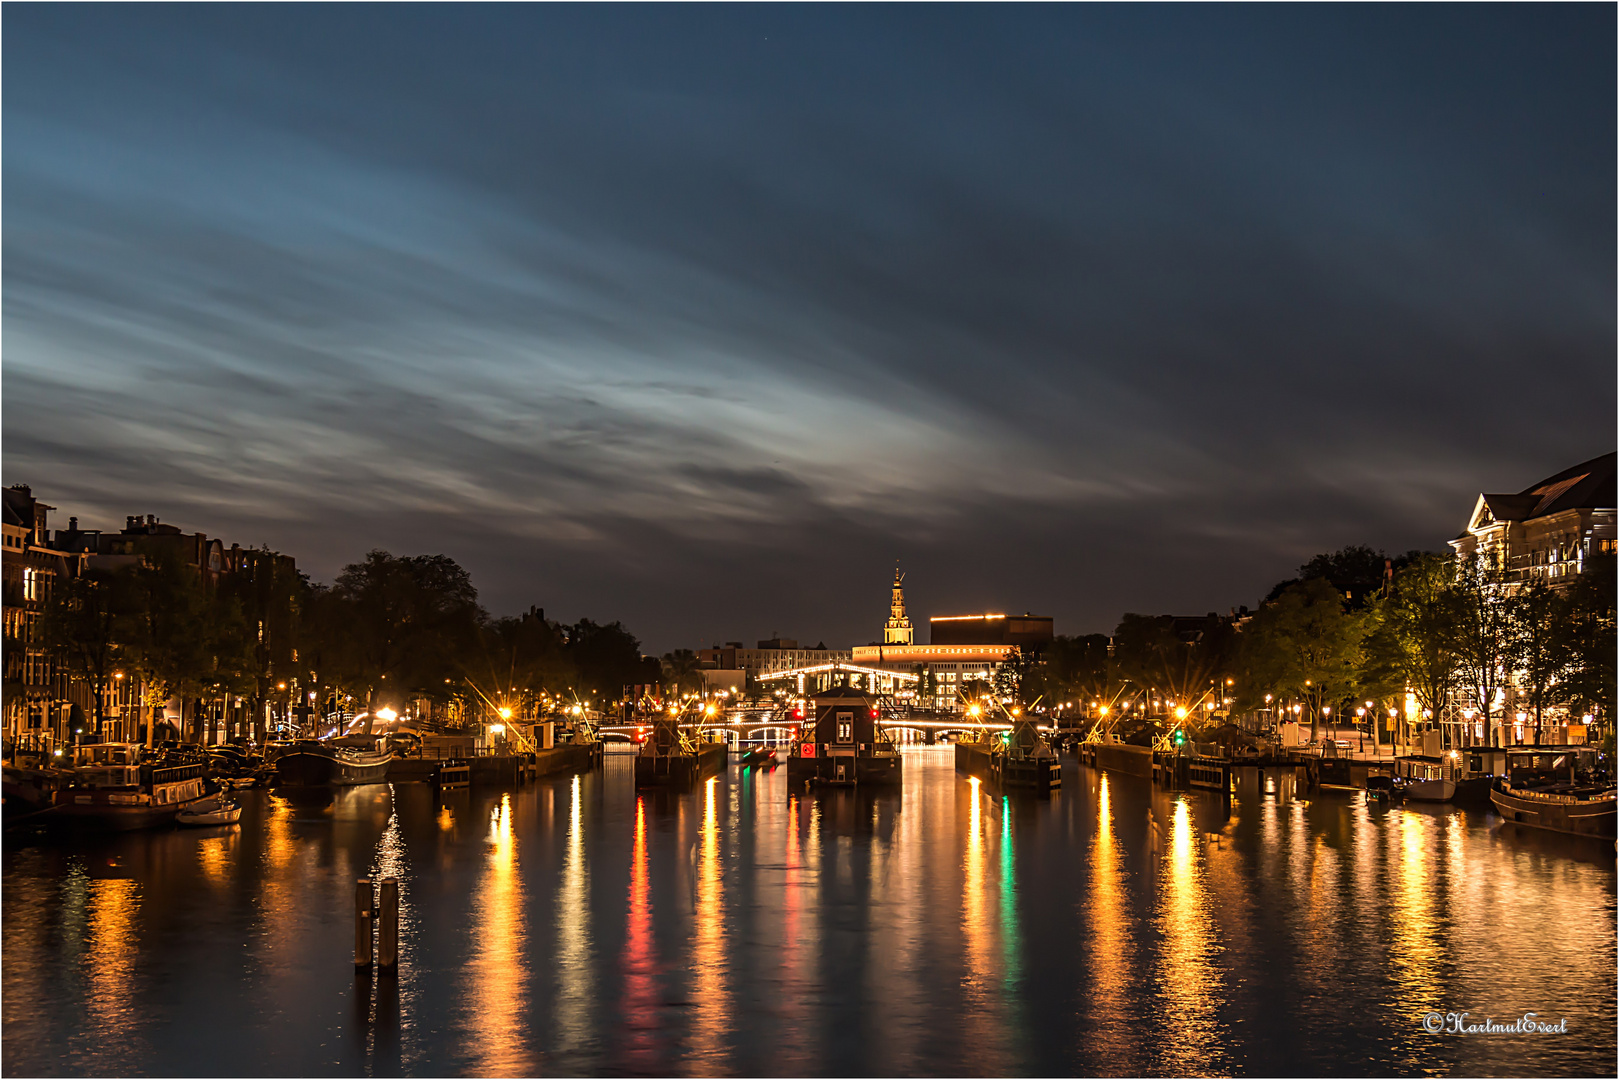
[
  {"x": 1550, "y": 532},
  {"x": 1550, "y": 529},
  {"x": 964, "y": 651},
  {"x": 45, "y": 707},
  {"x": 776, "y": 654}
]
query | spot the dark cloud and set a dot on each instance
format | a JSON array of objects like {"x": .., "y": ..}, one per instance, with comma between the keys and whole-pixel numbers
[{"x": 701, "y": 317}]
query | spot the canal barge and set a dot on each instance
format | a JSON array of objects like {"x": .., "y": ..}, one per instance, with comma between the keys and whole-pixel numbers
[
  {"x": 115, "y": 786},
  {"x": 1114, "y": 756},
  {"x": 845, "y": 745},
  {"x": 1019, "y": 760},
  {"x": 341, "y": 762},
  {"x": 673, "y": 758},
  {"x": 1557, "y": 788}
]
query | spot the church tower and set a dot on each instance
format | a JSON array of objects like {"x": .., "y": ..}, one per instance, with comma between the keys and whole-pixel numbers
[{"x": 897, "y": 631}]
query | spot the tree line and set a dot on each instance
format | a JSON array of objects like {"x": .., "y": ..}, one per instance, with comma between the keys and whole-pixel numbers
[
  {"x": 1357, "y": 626},
  {"x": 389, "y": 631}
]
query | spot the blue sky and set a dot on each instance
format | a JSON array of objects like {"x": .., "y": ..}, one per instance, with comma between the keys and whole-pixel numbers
[{"x": 701, "y": 317}]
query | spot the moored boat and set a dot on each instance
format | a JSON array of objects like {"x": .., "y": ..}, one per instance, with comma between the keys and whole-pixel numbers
[
  {"x": 114, "y": 786},
  {"x": 222, "y": 813},
  {"x": 1426, "y": 779},
  {"x": 342, "y": 762},
  {"x": 844, "y": 745},
  {"x": 671, "y": 757},
  {"x": 1017, "y": 760},
  {"x": 1558, "y": 788}
]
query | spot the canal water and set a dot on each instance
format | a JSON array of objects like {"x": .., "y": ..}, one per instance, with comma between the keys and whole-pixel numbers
[{"x": 574, "y": 927}]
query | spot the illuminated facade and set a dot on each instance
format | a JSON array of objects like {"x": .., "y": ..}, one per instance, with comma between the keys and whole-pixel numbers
[
  {"x": 1550, "y": 529},
  {"x": 965, "y": 649}
]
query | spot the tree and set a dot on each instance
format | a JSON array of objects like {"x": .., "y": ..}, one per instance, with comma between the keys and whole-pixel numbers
[
  {"x": 1589, "y": 639},
  {"x": 164, "y": 632},
  {"x": 1537, "y": 643},
  {"x": 1304, "y": 644},
  {"x": 1020, "y": 677},
  {"x": 607, "y": 659},
  {"x": 1080, "y": 667},
  {"x": 80, "y": 625},
  {"x": 394, "y": 628},
  {"x": 1483, "y": 629},
  {"x": 518, "y": 658},
  {"x": 1413, "y": 644},
  {"x": 681, "y": 672},
  {"x": 1184, "y": 659}
]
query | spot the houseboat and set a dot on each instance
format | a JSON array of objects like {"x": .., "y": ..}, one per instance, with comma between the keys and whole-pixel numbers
[
  {"x": 1559, "y": 788},
  {"x": 341, "y": 762},
  {"x": 115, "y": 786},
  {"x": 673, "y": 757},
  {"x": 1421, "y": 778},
  {"x": 844, "y": 745}
]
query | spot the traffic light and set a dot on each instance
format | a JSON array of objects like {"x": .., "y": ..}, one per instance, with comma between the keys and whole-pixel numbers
[{"x": 1180, "y": 737}]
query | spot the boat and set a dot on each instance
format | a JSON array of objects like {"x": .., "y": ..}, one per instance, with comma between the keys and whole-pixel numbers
[
  {"x": 341, "y": 762},
  {"x": 1383, "y": 789},
  {"x": 1557, "y": 788},
  {"x": 671, "y": 757},
  {"x": 118, "y": 786},
  {"x": 759, "y": 756},
  {"x": 844, "y": 745},
  {"x": 1015, "y": 760},
  {"x": 222, "y": 813},
  {"x": 1423, "y": 778}
]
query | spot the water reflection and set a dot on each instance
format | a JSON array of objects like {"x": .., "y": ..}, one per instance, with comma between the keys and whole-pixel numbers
[
  {"x": 640, "y": 1004},
  {"x": 112, "y": 943},
  {"x": 1110, "y": 938},
  {"x": 1189, "y": 981},
  {"x": 709, "y": 1007},
  {"x": 575, "y": 983},
  {"x": 497, "y": 977},
  {"x": 982, "y": 983},
  {"x": 772, "y": 933}
]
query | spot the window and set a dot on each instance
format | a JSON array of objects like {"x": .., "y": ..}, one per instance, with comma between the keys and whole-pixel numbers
[
  {"x": 845, "y": 727},
  {"x": 30, "y": 583}
]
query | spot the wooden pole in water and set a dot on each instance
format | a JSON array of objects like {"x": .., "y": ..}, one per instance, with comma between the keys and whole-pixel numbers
[
  {"x": 388, "y": 934},
  {"x": 362, "y": 923}
]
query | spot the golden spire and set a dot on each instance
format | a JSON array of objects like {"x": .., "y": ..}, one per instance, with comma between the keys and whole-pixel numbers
[{"x": 897, "y": 631}]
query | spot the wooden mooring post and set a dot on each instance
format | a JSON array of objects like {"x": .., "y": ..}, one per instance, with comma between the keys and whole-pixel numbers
[
  {"x": 363, "y": 919},
  {"x": 388, "y": 934}
]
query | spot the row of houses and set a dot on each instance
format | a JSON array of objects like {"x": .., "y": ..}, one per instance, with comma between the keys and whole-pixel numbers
[{"x": 46, "y": 707}]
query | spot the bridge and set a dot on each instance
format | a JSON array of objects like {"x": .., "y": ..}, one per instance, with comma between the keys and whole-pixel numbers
[{"x": 775, "y": 725}]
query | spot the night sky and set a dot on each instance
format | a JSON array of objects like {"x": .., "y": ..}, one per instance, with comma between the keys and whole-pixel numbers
[{"x": 700, "y": 318}]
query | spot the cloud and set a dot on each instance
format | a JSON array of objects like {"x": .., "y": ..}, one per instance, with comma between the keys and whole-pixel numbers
[{"x": 655, "y": 315}]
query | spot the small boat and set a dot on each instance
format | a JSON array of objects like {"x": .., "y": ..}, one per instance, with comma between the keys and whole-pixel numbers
[
  {"x": 759, "y": 756},
  {"x": 221, "y": 814},
  {"x": 1384, "y": 789}
]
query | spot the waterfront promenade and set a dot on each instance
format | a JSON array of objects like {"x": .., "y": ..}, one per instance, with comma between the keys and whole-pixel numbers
[{"x": 574, "y": 927}]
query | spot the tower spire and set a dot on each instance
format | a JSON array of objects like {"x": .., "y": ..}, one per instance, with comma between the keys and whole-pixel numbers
[{"x": 897, "y": 631}]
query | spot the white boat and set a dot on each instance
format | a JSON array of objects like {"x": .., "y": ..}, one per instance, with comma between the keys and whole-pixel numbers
[{"x": 223, "y": 814}]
